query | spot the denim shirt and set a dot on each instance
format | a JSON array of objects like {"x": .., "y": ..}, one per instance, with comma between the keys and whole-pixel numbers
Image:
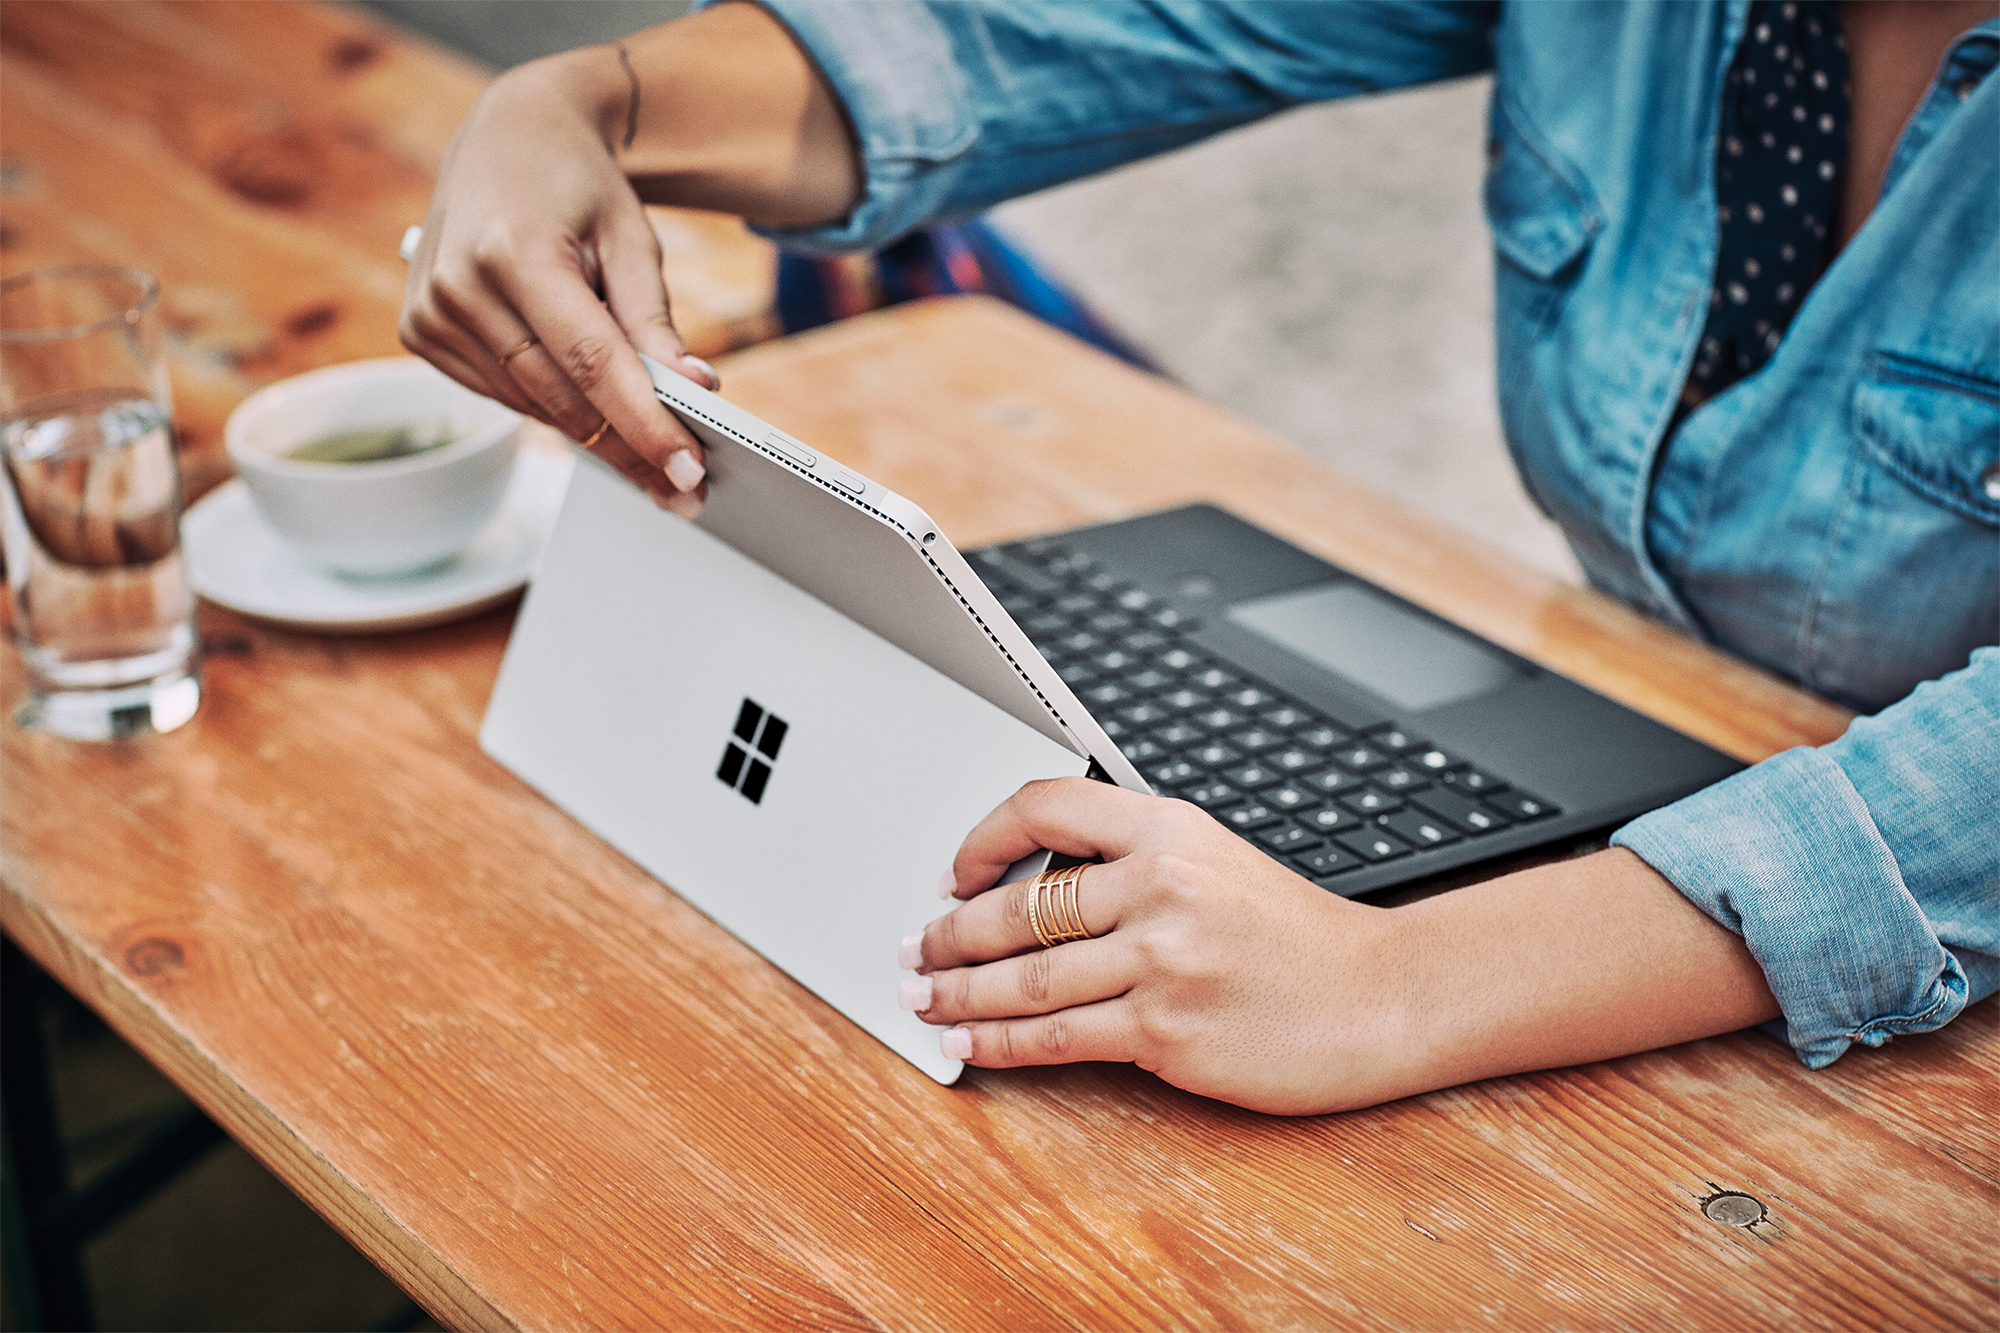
[{"x": 1832, "y": 518}]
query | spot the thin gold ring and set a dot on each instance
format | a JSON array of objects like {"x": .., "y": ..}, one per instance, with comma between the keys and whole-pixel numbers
[
  {"x": 1053, "y": 911},
  {"x": 516, "y": 351},
  {"x": 1034, "y": 911},
  {"x": 595, "y": 435}
]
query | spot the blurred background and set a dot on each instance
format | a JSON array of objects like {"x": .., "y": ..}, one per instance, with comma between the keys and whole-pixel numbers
[{"x": 1326, "y": 274}]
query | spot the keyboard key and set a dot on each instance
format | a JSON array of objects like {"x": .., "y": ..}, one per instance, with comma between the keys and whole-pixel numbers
[
  {"x": 1361, "y": 758},
  {"x": 1174, "y": 773},
  {"x": 1288, "y": 838},
  {"x": 1292, "y": 759},
  {"x": 1253, "y": 739},
  {"x": 1076, "y": 675},
  {"x": 1179, "y": 659},
  {"x": 1212, "y": 795},
  {"x": 1132, "y": 599},
  {"x": 1288, "y": 718},
  {"x": 1108, "y": 622},
  {"x": 1143, "y": 641},
  {"x": 1144, "y": 715},
  {"x": 1168, "y": 618},
  {"x": 1250, "y": 697},
  {"x": 1219, "y": 719},
  {"x": 1326, "y": 861},
  {"x": 1149, "y": 679},
  {"x": 1214, "y": 754},
  {"x": 1186, "y": 700},
  {"x": 1435, "y": 760},
  {"x": 1371, "y": 801},
  {"x": 1331, "y": 819},
  {"x": 1400, "y": 779},
  {"x": 1076, "y": 603},
  {"x": 1473, "y": 781},
  {"x": 1321, "y": 737},
  {"x": 1042, "y": 626},
  {"x": 1333, "y": 781},
  {"x": 1395, "y": 739},
  {"x": 1018, "y": 604},
  {"x": 1115, "y": 729},
  {"x": 1177, "y": 734},
  {"x": 1289, "y": 797},
  {"x": 1104, "y": 581},
  {"x": 1115, "y": 660},
  {"x": 1419, "y": 829},
  {"x": 1520, "y": 805},
  {"x": 1144, "y": 750},
  {"x": 1250, "y": 818},
  {"x": 1078, "y": 641},
  {"x": 1462, "y": 810},
  {"x": 1211, "y": 678},
  {"x": 1373, "y": 844},
  {"x": 1103, "y": 696},
  {"x": 1250, "y": 777}
]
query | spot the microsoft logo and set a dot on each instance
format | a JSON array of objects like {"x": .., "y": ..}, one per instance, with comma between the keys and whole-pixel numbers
[{"x": 740, "y": 769}]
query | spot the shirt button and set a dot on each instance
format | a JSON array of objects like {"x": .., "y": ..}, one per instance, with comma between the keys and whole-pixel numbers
[{"x": 1989, "y": 481}]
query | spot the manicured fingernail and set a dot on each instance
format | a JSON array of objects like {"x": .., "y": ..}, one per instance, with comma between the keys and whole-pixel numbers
[
  {"x": 956, "y": 1044},
  {"x": 684, "y": 469},
  {"x": 910, "y": 953},
  {"x": 915, "y": 994},
  {"x": 947, "y": 884},
  {"x": 714, "y": 380}
]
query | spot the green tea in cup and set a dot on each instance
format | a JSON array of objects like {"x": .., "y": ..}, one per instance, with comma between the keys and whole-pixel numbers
[{"x": 373, "y": 444}]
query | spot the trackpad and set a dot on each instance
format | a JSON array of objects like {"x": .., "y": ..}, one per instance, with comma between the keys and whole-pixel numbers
[{"x": 1387, "y": 649}]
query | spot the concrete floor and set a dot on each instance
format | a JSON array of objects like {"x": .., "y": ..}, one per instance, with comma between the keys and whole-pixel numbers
[{"x": 1347, "y": 306}]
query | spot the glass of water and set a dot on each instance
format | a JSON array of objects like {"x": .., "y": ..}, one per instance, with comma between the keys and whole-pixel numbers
[{"x": 90, "y": 513}]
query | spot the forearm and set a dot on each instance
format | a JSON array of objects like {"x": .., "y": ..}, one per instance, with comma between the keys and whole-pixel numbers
[
  {"x": 1572, "y": 962},
  {"x": 730, "y": 116}
]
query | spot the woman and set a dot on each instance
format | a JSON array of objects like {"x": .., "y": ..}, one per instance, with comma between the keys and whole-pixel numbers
[{"x": 1749, "y": 337}]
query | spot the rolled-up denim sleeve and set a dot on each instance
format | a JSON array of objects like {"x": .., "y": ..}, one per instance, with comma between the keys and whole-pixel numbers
[
  {"x": 1864, "y": 875},
  {"x": 958, "y": 104}
]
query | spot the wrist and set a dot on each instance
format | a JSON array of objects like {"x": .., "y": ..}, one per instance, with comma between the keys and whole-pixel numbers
[{"x": 590, "y": 83}]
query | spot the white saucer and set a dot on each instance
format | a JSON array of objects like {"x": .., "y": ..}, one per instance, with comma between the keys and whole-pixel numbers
[{"x": 236, "y": 560}]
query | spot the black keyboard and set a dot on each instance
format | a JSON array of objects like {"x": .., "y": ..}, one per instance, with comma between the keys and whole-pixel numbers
[{"x": 1324, "y": 797}]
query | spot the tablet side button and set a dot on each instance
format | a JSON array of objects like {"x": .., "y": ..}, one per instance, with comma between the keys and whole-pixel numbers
[
  {"x": 792, "y": 449},
  {"x": 844, "y": 479}
]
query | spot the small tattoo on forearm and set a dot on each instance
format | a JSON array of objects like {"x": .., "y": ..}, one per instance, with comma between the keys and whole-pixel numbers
[{"x": 632, "y": 109}]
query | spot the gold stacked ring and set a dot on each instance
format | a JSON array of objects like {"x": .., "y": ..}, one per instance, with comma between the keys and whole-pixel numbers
[
  {"x": 517, "y": 349},
  {"x": 595, "y": 435},
  {"x": 1052, "y": 907}
]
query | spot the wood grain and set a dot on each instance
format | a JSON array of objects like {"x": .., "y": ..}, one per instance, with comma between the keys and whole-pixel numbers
[
  {"x": 543, "y": 1092},
  {"x": 263, "y": 158}
]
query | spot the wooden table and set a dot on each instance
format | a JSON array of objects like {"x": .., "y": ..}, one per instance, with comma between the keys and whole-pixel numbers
[{"x": 542, "y": 1092}]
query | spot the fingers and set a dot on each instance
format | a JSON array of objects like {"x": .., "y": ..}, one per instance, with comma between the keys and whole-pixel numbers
[
  {"x": 636, "y": 295},
  {"x": 584, "y": 355},
  {"x": 1102, "y": 1031},
  {"x": 648, "y": 478},
  {"x": 996, "y": 924},
  {"x": 1074, "y": 816},
  {"x": 1041, "y": 981}
]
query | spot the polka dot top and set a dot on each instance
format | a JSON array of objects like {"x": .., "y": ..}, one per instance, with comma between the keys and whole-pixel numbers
[{"x": 1778, "y": 160}]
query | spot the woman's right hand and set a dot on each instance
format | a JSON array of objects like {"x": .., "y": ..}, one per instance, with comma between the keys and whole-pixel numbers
[{"x": 537, "y": 281}]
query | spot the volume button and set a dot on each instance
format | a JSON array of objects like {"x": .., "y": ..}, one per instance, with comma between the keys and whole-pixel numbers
[
  {"x": 792, "y": 449},
  {"x": 844, "y": 479}
]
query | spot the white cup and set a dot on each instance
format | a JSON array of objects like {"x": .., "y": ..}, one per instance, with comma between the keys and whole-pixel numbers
[{"x": 393, "y": 516}]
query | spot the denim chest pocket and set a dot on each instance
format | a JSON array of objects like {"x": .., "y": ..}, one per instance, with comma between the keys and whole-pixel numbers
[
  {"x": 1906, "y": 577},
  {"x": 1936, "y": 430},
  {"x": 1538, "y": 207}
]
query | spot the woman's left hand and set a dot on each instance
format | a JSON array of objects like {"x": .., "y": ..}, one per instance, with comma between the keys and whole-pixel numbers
[{"x": 1213, "y": 965}]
